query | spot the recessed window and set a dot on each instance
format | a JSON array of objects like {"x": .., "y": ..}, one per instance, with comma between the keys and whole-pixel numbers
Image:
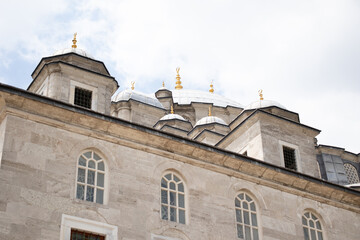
[
  {"x": 312, "y": 227},
  {"x": 246, "y": 217},
  {"x": 81, "y": 235},
  {"x": 90, "y": 177},
  {"x": 82, "y": 97},
  {"x": 289, "y": 158},
  {"x": 172, "y": 198},
  {"x": 351, "y": 173}
]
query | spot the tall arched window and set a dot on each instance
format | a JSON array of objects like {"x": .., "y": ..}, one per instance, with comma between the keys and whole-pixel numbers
[
  {"x": 90, "y": 184},
  {"x": 351, "y": 173},
  {"x": 172, "y": 198},
  {"x": 312, "y": 227},
  {"x": 246, "y": 217}
]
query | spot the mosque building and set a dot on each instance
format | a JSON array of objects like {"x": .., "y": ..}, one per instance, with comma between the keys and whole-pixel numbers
[{"x": 79, "y": 160}]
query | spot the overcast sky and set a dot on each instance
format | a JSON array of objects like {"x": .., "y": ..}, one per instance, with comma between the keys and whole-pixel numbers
[{"x": 304, "y": 54}]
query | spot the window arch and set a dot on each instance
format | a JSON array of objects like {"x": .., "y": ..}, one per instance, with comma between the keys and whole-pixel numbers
[
  {"x": 312, "y": 227},
  {"x": 90, "y": 183},
  {"x": 172, "y": 198},
  {"x": 246, "y": 217},
  {"x": 351, "y": 173}
]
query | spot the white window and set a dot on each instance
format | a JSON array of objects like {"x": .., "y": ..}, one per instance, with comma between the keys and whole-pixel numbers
[
  {"x": 71, "y": 225},
  {"x": 246, "y": 217},
  {"x": 312, "y": 227},
  {"x": 351, "y": 173},
  {"x": 90, "y": 184},
  {"x": 83, "y": 95},
  {"x": 172, "y": 198}
]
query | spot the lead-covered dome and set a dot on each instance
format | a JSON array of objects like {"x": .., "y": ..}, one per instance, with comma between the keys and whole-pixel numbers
[
  {"x": 263, "y": 104},
  {"x": 128, "y": 94},
  {"x": 186, "y": 97},
  {"x": 73, "y": 50},
  {"x": 210, "y": 119},
  {"x": 172, "y": 116}
]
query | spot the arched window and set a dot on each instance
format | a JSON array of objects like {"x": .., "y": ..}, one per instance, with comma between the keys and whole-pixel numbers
[
  {"x": 90, "y": 177},
  {"x": 246, "y": 217},
  {"x": 312, "y": 227},
  {"x": 351, "y": 173},
  {"x": 172, "y": 198}
]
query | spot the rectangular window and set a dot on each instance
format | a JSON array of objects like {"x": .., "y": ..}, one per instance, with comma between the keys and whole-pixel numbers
[
  {"x": 289, "y": 158},
  {"x": 82, "y": 97},
  {"x": 80, "y": 235}
]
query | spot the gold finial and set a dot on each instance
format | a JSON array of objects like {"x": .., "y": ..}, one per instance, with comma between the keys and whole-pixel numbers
[
  {"x": 74, "y": 41},
  {"x": 171, "y": 110},
  {"x": 132, "y": 85},
  {"x": 178, "y": 82},
  {"x": 163, "y": 84},
  {"x": 261, "y": 94},
  {"x": 210, "y": 111},
  {"x": 211, "y": 87}
]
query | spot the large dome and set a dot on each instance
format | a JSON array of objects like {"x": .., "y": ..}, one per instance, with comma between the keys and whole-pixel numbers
[
  {"x": 73, "y": 50},
  {"x": 210, "y": 119},
  {"x": 137, "y": 96},
  {"x": 185, "y": 97},
  {"x": 263, "y": 104}
]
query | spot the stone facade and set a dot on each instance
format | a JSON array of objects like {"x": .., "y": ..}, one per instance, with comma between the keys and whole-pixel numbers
[{"x": 43, "y": 137}]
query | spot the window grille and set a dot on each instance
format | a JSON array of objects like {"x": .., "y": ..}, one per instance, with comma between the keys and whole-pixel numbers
[
  {"x": 82, "y": 97},
  {"x": 90, "y": 177},
  {"x": 289, "y": 158},
  {"x": 172, "y": 198},
  {"x": 246, "y": 217},
  {"x": 80, "y": 235},
  {"x": 351, "y": 173},
  {"x": 312, "y": 227}
]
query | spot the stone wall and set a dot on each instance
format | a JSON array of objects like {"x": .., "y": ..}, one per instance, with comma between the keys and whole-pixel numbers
[{"x": 38, "y": 178}]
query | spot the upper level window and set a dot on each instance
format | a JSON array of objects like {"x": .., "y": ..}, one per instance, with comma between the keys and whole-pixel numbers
[
  {"x": 351, "y": 173},
  {"x": 312, "y": 227},
  {"x": 90, "y": 177},
  {"x": 81, "y": 235},
  {"x": 289, "y": 158},
  {"x": 172, "y": 198},
  {"x": 246, "y": 219},
  {"x": 82, "y": 97}
]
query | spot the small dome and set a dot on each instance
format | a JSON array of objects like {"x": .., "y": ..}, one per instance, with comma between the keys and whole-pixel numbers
[
  {"x": 210, "y": 119},
  {"x": 137, "y": 96},
  {"x": 185, "y": 97},
  {"x": 263, "y": 104},
  {"x": 172, "y": 116},
  {"x": 74, "y": 50}
]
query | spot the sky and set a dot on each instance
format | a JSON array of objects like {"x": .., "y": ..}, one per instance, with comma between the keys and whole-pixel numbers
[{"x": 304, "y": 54}]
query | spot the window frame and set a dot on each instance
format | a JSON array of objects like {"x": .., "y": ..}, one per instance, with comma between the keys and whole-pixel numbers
[
  {"x": 240, "y": 208},
  {"x": 71, "y": 222},
  {"x": 308, "y": 227},
  {"x": 353, "y": 170},
  {"x": 297, "y": 155},
  {"x": 94, "y": 98},
  {"x": 168, "y": 204},
  {"x": 96, "y": 170}
]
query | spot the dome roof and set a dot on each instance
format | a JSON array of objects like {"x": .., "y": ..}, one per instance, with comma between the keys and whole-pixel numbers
[
  {"x": 74, "y": 50},
  {"x": 210, "y": 119},
  {"x": 263, "y": 104},
  {"x": 137, "y": 96},
  {"x": 172, "y": 116},
  {"x": 185, "y": 97}
]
